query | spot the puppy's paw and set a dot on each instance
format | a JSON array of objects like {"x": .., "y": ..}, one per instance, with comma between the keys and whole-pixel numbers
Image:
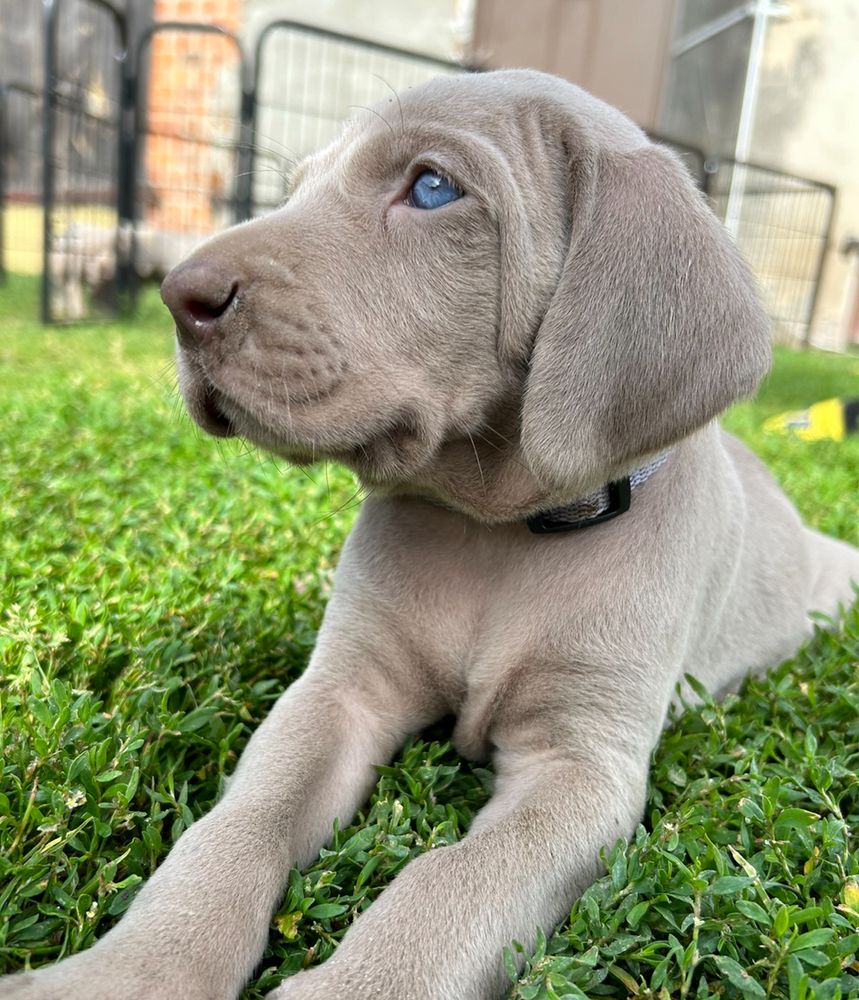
[
  {"x": 329, "y": 982},
  {"x": 305, "y": 985},
  {"x": 295, "y": 987},
  {"x": 43, "y": 984},
  {"x": 73, "y": 979},
  {"x": 24, "y": 986}
]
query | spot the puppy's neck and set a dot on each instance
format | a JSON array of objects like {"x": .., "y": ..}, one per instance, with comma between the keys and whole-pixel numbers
[{"x": 485, "y": 476}]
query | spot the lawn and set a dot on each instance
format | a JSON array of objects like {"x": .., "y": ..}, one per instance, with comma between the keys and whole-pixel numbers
[{"x": 158, "y": 591}]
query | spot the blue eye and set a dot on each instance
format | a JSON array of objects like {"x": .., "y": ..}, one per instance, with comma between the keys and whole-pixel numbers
[{"x": 431, "y": 190}]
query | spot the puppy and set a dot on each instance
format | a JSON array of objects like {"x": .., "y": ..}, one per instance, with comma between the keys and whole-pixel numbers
[{"x": 515, "y": 319}]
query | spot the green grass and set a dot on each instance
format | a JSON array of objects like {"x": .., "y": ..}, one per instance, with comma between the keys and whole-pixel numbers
[{"x": 158, "y": 590}]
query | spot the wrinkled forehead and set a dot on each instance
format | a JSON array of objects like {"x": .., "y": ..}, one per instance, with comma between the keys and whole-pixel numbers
[
  {"x": 517, "y": 106},
  {"x": 459, "y": 119}
]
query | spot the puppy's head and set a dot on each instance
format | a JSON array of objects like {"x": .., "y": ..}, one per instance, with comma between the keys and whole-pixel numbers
[{"x": 494, "y": 291}]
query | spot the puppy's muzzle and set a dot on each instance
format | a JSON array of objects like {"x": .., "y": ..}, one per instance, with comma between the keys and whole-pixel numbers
[{"x": 201, "y": 298}]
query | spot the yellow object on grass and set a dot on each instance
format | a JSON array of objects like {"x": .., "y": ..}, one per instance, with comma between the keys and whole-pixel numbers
[{"x": 831, "y": 419}]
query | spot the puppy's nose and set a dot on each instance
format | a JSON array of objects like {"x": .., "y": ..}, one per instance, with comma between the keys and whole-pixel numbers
[{"x": 199, "y": 295}]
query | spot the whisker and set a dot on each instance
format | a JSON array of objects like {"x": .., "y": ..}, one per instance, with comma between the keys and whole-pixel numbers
[
  {"x": 510, "y": 458},
  {"x": 506, "y": 440},
  {"x": 346, "y": 505},
  {"x": 264, "y": 170},
  {"x": 381, "y": 117},
  {"x": 306, "y": 474},
  {"x": 479, "y": 466},
  {"x": 381, "y": 79}
]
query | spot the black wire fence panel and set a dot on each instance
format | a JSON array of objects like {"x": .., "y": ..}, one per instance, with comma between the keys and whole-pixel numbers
[
  {"x": 307, "y": 82},
  {"x": 83, "y": 87},
  {"x": 782, "y": 225},
  {"x": 21, "y": 215},
  {"x": 189, "y": 141}
]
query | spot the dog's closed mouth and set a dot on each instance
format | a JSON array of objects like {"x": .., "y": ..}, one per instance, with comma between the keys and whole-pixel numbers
[
  {"x": 213, "y": 418},
  {"x": 380, "y": 453}
]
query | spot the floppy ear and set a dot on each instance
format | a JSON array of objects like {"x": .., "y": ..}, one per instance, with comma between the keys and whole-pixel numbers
[{"x": 654, "y": 328}]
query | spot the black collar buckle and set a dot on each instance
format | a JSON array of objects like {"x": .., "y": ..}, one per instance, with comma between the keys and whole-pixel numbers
[{"x": 551, "y": 521}]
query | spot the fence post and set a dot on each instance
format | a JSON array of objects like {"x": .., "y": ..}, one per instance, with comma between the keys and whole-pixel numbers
[
  {"x": 711, "y": 168},
  {"x": 255, "y": 76},
  {"x": 49, "y": 13},
  {"x": 247, "y": 139},
  {"x": 821, "y": 265},
  {"x": 126, "y": 286}
]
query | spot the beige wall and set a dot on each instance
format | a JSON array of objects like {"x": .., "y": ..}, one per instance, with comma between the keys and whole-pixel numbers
[
  {"x": 437, "y": 27},
  {"x": 617, "y": 49},
  {"x": 807, "y": 123}
]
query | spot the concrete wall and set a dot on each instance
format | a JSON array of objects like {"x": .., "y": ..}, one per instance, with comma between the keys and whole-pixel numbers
[{"x": 437, "y": 27}]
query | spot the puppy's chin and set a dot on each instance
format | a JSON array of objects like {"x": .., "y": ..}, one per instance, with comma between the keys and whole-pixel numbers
[
  {"x": 386, "y": 460},
  {"x": 385, "y": 455},
  {"x": 406, "y": 454},
  {"x": 202, "y": 402},
  {"x": 391, "y": 456}
]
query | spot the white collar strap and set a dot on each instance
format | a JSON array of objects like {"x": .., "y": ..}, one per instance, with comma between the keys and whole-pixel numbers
[{"x": 603, "y": 504}]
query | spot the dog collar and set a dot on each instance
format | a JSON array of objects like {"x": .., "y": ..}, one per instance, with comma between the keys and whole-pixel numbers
[{"x": 603, "y": 504}]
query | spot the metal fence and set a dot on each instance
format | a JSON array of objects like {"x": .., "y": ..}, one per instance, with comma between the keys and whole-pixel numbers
[
  {"x": 189, "y": 88},
  {"x": 783, "y": 226},
  {"x": 306, "y": 81},
  {"x": 150, "y": 147}
]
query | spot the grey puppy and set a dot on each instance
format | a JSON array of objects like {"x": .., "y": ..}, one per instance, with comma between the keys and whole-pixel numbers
[{"x": 491, "y": 304}]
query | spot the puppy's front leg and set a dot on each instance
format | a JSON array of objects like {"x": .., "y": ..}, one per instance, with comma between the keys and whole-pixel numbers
[
  {"x": 198, "y": 927},
  {"x": 438, "y": 931}
]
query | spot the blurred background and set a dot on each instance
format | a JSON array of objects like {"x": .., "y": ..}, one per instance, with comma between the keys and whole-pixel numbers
[{"x": 131, "y": 129}]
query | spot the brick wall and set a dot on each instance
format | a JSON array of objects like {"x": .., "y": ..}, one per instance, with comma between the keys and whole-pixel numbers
[{"x": 192, "y": 112}]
